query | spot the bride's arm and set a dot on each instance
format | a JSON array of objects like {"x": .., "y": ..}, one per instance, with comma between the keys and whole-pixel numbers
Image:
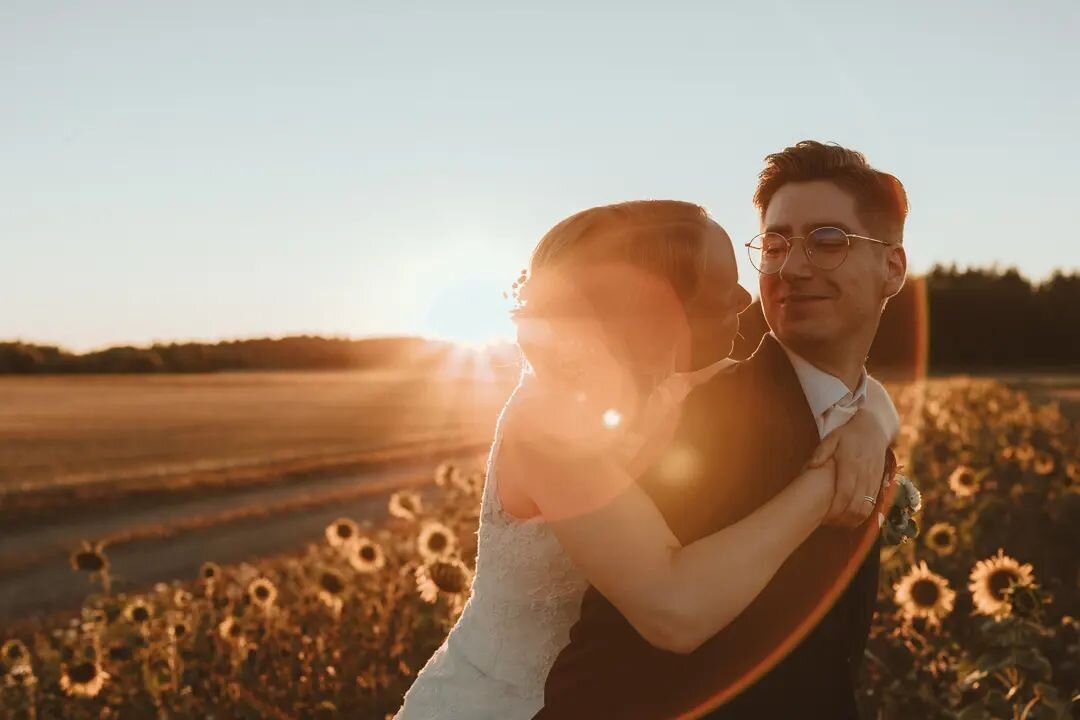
[{"x": 676, "y": 597}]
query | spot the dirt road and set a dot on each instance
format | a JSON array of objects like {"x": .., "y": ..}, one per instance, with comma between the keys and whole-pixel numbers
[{"x": 172, "y": 541}]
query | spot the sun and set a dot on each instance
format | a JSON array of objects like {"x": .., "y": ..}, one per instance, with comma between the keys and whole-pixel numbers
[{"x": 471, "y": 311}]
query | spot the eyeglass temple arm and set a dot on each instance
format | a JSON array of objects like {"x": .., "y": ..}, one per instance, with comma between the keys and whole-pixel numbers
[{"x": 863, "y": 237}]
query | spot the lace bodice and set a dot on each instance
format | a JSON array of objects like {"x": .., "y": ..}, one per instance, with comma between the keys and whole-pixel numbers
[{"x": 526, "y": 594}]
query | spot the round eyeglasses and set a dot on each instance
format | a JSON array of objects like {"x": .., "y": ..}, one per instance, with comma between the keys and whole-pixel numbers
[{"x": 825, "y": 247}]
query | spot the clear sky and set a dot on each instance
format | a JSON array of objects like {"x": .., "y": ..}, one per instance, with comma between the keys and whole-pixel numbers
[{"x": 221, "y": 169}]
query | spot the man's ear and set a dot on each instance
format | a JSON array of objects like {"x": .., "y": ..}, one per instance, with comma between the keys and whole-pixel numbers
[{"x": 895, "y": 270}]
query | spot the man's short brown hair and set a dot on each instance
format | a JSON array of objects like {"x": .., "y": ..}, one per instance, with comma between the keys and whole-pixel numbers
[{"x": 880, "y": 199}]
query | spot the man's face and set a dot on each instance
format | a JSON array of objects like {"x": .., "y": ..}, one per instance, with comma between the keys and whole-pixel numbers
[
  {"x": 807, "y": 306},
  {"x": 713, "y": 314}
]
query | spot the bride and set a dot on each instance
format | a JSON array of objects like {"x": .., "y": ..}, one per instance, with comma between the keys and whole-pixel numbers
[{"x": 626, "y": 309}]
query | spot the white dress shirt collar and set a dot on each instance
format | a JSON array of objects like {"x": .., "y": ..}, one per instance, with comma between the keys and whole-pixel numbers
[{"x": 821, "y": 389}]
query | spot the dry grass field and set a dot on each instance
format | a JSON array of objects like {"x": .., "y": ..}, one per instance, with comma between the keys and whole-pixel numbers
[{"x": 94, "y": 437}]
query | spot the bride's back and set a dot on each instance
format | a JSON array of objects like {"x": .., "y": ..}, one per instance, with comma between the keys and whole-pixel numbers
[{"x": 525, "y": 596}]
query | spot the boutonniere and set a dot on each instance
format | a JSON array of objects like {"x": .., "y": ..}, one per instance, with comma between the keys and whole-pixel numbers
[{"x": 898, "y": 525}]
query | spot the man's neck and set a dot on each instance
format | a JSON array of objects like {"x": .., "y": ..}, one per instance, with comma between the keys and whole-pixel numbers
[{"x": 841, "y": 360}]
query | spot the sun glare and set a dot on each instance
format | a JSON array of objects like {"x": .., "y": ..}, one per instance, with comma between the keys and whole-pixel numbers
[{"x": 470, "y": 311}]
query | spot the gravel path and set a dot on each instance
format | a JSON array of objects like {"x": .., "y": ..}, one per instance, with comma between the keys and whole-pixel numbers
[{"x": 38, "y": 579}]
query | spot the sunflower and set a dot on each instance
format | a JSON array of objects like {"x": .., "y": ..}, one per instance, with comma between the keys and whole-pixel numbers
[
  {"x": 21, "y": 676},
  {"x": 138, "y": 611},
  {"x": 366, "y": 556},
  {"x": 941, "y": 538},
  {"x": 922, "y": 593},
  {"x": 1044, "y": 463},
  {"x": 210, "y": 572},
  {"x": 178, "y": 629},
  {"x": 405, "y": 504},
  {"x": 1026, "y": 601},
  {"x": 90, "y": 558},
  {"x": 341, "y": 531},
  {"x": 989, "y": 580},
  {"x": 331, "y": 588},
  {"x": 964, "y": 482},
  {"x": 473, "y": 483},
  {"x": 83, "y": 680},
  {"x": 262, "y": 593},
  {"x": 14, "y": 653},
  {"x": 447, "y": 474},
  {"x": 231, "y": 631},
  {"x": 449, "y": 576},
  {"x": 436, "y": 541},
  {"x": 1025, "y": 452}
]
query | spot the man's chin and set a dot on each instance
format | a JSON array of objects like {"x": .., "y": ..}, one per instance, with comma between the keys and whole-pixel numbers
[{"x": 794, "y": 334}]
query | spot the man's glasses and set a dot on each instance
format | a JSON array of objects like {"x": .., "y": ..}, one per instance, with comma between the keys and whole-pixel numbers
[{"x": 826, "y": 248}]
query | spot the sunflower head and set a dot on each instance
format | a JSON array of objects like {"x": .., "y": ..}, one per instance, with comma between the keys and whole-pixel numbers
[
  {"x": 262, "y": 593},
  {"x": 366, "y": 556},
  {"x": 941, "y": 538},
  {"x": 210, "y": 572},
  {"x": 341, "y": 532},
  {"x": 14, "y": 652},
  {"x": 446, "y": 475},
  {"x": 179, "y": 629},
  {"x": 230, "y": 630},
  {"x": 330, "y": 581},
  {"x": 449, "y": 576},
  {"x": 964, "y": 482},
  {"x": 1044, "y": 463},
  {"x": 84, "y": 679},
  {"x": 89, "y": 558},
  {"x": 1025, "y": 452},
  {"x": 991, "y": 579},
  {"x": 1027, "y": 601},
  {"x": 405, "y": 504},
  {"x": 138, "y": 612},
  {"x": 435, "y": 541},
  {"x": 924, "y": 594},
  {"x": 473, "y": 483}
]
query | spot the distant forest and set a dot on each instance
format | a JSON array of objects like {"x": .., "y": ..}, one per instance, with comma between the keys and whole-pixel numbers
[
  {"x": 978, "y": 320},
  {"x": 952, "y": 320}
]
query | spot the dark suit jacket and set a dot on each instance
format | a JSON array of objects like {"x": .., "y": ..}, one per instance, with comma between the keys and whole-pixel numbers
[{"x": 743, "y": 437}]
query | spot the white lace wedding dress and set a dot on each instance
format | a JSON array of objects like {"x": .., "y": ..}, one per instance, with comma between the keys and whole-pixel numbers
[{"x": 525, "y": 596}]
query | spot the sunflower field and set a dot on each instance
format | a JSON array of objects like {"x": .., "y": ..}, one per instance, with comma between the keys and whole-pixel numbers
[{"x": 976, "y": 617}]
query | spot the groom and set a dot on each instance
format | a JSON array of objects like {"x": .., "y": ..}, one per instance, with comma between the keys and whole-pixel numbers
[{"x": 829, "y": 257}]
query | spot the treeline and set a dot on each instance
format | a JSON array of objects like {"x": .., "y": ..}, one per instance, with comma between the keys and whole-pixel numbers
[
  {"x": 291, "y": 353},
  {"x": 952, "y": 320},
  {"x": 948, "y": 320}
]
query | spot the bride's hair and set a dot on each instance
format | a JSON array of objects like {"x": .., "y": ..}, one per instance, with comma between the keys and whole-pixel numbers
[{"x": 630, "y": 268}]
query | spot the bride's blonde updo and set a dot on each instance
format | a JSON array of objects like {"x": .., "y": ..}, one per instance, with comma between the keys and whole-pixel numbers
[{"x": 626, "y": 271}]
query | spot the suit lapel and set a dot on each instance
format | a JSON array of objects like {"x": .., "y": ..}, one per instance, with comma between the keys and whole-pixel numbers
[{"x": 774, "y": 431}]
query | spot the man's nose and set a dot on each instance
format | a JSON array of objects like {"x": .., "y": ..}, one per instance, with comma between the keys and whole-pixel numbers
[{"x": 796, "y": 264}]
